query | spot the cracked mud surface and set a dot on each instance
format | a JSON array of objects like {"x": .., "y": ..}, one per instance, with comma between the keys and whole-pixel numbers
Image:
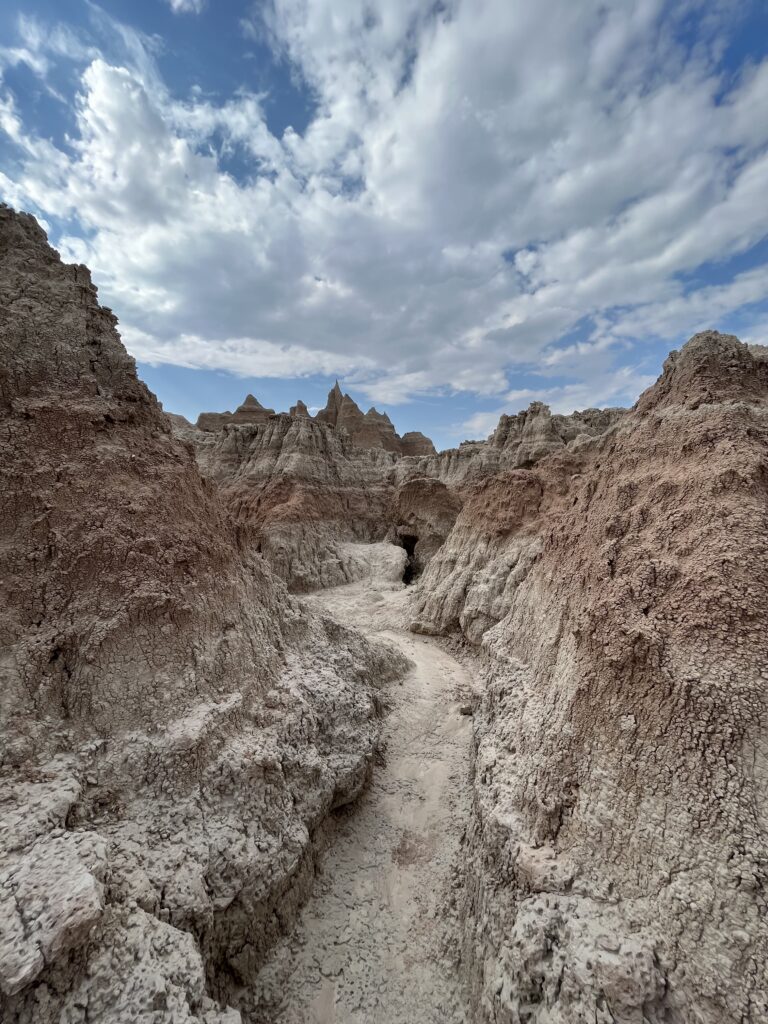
[{"x": 375, "y": 942}]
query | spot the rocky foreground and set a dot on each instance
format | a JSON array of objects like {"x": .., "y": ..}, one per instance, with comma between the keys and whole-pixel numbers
[
  {"x": 178, "y": 725},
  {"x": 175, "y": 727}
]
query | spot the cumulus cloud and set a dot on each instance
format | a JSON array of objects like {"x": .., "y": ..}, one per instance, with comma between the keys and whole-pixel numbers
[{"x": 478, "y": 181}]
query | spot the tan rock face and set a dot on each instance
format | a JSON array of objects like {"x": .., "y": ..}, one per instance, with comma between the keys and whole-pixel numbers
[
  {"x": 535, "y": 432},
  {"x": 305, "y": 488},
  {"x": 416, "y": 443},
  {"x": 171, "y": 734},
  {"x": 425, "y": 510},
  {"x": 300, "y": 490},
  {"x": 106, "y": 520},
  {"x": 712, "y": 368},
  {"x": 373, "y": 429}
]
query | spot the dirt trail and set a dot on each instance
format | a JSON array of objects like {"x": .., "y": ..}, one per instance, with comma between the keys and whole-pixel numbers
[{"x": 369, "y": 948}]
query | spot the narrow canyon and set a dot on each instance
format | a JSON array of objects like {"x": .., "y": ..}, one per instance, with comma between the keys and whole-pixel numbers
[
  {"x": 375, "y": 942},
  {"x": 304, "y": 721}
]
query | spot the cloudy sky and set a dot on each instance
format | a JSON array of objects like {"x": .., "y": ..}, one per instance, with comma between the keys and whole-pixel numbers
[{"x": 455, "y": 206}]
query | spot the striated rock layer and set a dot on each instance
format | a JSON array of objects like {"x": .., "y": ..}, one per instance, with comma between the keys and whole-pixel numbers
[
  {"x": 306, "y": 490},
  {"x": 302, "y": 492},
  {"x": 616, "y": 860},
  {"x": 174, "y": 728},
  {"x": 372, "y": 429},
  {"x": 251, "y": 411}
]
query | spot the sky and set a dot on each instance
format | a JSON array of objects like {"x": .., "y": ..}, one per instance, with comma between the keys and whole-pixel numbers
[{"x": 456, "y": 207}]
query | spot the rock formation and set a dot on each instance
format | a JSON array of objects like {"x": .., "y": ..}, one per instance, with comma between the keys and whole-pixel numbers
[
  {"x": 251, "y": 411},
  {"x": 609, "y": 568},
  {"x": 372, "y": 429},
  {"x": 365, "y": 430},
  {"x": 302, "y": 491},
  {"x": 307, "y": 487},
  {"x": 175, "y": 727},
  {"x": 415, "y": 443},
  {"x": 616, "y": 857}
]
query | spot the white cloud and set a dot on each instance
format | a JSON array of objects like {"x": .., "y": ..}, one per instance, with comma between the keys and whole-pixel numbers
[
  {"x": 246, "y": 357},
  {"x": 620, "y": 387},
  {"x": 187, "y": 6},
  {"x": 481, "y": 424},
  {"x": 582, "y": 138},
  {"x": 693, "y": 312},
  {"x": 616, "y": 388}
]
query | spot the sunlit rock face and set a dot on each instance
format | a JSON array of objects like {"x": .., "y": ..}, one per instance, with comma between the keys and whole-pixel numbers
[{"x": 251, "y": 411}]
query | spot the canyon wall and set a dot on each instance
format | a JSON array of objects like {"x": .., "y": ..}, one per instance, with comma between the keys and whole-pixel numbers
[
  {"x": 174, "y": 727},
  {"x": 616, "y": 858},
  {"x": 305, "y": 491},
  {"x": 609, "y": 568},
  {"x": 301, "y": 492}
]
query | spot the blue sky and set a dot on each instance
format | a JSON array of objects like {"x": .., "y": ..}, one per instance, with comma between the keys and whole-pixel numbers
[{"x": 455, "y": 208}]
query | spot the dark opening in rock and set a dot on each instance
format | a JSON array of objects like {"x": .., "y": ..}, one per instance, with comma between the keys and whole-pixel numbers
[{"x": 409, "y": 543}]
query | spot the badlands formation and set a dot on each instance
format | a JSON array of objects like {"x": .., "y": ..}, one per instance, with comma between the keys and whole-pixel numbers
[
  {"x": 370, "y": 430},
  {"x": 250, "y": 774}
]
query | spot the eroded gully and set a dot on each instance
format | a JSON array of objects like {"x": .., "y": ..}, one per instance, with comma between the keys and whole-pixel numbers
[{"x": 376, "y": 943}]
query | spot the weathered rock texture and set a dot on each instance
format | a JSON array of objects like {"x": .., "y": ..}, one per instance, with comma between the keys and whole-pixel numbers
[
  {"x": 302, "y": 491},
  {"x": 616, "y": 859},
  {"x": 372, "y": 429},
  {"x": 174, "y": 727},
  {"x": 305, "y": 489},
  {"x": 251, "y": 411}
]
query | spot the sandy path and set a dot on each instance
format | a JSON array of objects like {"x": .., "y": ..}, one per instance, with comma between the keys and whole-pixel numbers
[{"x": 367, "y": 949}]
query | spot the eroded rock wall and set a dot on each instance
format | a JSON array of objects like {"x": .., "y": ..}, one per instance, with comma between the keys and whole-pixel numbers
[
  {"x": 302, "y": 492},
  {"x": 615, "y": 863},
  {"x": 174, "y": 727},
  {"x": 370, "y": 430},
  {"x": 305, "y": 488}
]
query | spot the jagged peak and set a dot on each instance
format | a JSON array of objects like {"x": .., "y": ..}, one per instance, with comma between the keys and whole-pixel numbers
[
  {"x": 711, "y": 367},
  {"x": 299, "y": 409},
  {"x": 380, "y": 417}
]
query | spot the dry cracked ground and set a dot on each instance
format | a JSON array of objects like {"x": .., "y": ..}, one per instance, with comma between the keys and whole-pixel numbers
[
  {"x": 378, "y": 941},
  {"x": 304, "y": 721}
]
